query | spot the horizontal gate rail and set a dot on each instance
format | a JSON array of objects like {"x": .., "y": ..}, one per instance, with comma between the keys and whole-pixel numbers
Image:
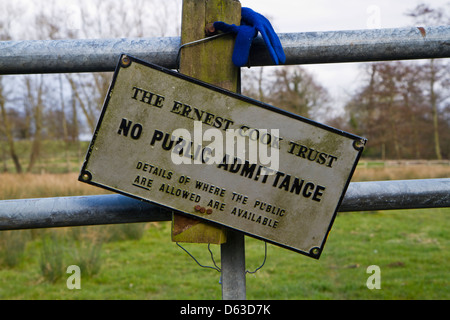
[
  {"x": 96, "y": 55},
  {"x": 116, "y": 209},
  {"x": 397, "y": 194}
]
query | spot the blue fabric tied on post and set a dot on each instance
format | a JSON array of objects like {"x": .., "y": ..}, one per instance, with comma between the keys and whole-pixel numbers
[{"x": 252, "y": 23}]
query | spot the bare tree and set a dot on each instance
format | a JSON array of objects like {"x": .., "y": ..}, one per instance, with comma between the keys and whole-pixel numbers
[
  {"x": 6, "y": 130},
  {"x": 10, "y": 13},
  {"x": 39, "y": 107},
  {"x": 34, "y": 87},
  {"x": 424, "y": 14},
  {"x": 297, "y": 91},
  {"x": 400, "y": 106},
  {"x": 391, "y": 109},
  {"x": 253, "y": 84},
  {"x": 141, "y": 18}
]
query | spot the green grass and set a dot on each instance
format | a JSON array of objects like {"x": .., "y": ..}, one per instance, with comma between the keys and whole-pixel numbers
[{"x": 409, "y": 246}]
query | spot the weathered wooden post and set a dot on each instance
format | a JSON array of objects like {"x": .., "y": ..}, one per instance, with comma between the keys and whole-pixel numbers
[{"x": 210, "y": 61}]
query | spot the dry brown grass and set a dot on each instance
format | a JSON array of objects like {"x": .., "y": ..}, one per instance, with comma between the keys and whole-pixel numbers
[
  {"x": 401, "y": 173},
  {"x": 24, "y": 186}
]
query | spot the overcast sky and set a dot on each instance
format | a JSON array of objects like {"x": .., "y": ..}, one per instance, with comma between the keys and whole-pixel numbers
[
  {"x": 331, "y": 15},
  {"x": 324, "y": 15}
]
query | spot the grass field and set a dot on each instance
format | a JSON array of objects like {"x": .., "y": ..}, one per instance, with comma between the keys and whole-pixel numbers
[
  {"x": 410, "y": 247},
  {"x": 139, "y": 261}
]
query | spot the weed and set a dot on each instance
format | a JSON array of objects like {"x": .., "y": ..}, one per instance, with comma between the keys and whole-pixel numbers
[
  {"x": 12, "y": 246},
  {"x": 86, "y": 255},
  {"x": 51, "y": 259},
  {"x": 126, "y": 231}
]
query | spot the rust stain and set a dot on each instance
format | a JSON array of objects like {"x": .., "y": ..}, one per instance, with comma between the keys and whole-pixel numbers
[
  {"x": 422, "y": 31},
  {"x": 183, "y": 224}
]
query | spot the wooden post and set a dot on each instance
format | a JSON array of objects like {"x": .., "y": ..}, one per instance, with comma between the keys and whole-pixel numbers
[{"x": 209, "y": 61}]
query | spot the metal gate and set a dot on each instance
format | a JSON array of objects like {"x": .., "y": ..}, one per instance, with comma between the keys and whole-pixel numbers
[{"x": 61, "y": 56}]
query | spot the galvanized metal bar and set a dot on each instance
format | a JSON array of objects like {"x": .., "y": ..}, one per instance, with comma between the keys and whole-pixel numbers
[
  {"x": 77, "y": 211},
  {"x": 113, "y": 209},
  {"x": 232, "y": 255},
  {"x": 83, "y": 55},
  {"x": 95, "y": 55},
  {"x": 397, "y": 194},
  {"x": 359, "y": 45}
]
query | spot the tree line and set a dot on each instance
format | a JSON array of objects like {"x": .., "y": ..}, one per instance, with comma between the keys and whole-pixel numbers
[
  {"x": 402, "y": 107},
  {"x": 66, "y": 106}
]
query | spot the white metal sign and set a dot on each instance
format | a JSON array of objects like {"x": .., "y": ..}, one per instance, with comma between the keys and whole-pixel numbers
[{"x": 210, "y": 153}]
